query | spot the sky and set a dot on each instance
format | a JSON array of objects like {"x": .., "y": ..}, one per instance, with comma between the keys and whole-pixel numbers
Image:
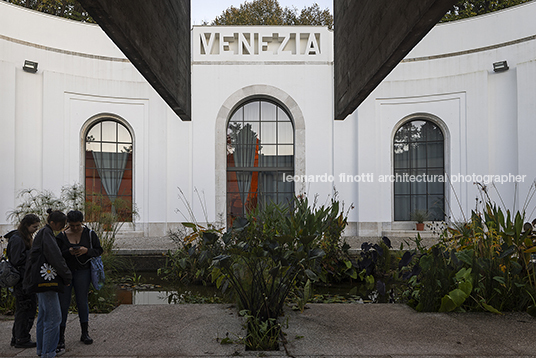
[{"x": 208, "y": 9}]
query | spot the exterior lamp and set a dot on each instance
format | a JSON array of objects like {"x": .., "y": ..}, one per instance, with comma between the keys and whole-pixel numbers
[
  {"x": 30, "y": 66},
  {"x": 500, "y": 66}
]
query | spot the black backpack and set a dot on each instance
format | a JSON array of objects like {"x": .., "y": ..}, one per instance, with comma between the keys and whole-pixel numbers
[{"x": 9, "y": 275}]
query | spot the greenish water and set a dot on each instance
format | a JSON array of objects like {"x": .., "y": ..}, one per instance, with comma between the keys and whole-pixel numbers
[{"x": 148, "y": 288}]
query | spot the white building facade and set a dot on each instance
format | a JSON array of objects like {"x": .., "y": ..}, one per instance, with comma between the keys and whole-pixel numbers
[{"x": 262, "y": 124}]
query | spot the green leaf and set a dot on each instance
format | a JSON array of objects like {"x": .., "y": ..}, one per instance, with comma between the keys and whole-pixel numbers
[
  {"x": 458, "y": 296},
  {"x": 190, "y": 225},
  {"x": 531, "y": 250},
  {"x": 426, "y": 262},
  {"x": 447, "y": 304},
  {"x": 466, "y": 287},
  {"x": 489, "y": 307},
  {"x": 307, "y": 291},
  {"x": 500, "y": 279},
  {"x": 466, "y": 256},
  {"x": 312, "y": 276},
  {"x": 532, "y": 310},
  {"x": 352, "y": 273},
  {"x": 509, "y": 251}
]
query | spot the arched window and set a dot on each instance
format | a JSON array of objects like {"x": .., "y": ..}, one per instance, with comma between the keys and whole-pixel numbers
[
  {"x": 108, "y": 171},
  {"x": 419, "y": 167},
  {"x": 260, "y": 155}
]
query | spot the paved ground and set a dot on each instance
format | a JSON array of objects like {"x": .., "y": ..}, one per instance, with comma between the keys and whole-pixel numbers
[{"x": 323, "y": 330}]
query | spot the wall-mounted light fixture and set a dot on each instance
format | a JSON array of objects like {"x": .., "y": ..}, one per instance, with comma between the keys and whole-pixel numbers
[
  {"x": 500, "y": 66},
  {"x": 30, "y": 66}
]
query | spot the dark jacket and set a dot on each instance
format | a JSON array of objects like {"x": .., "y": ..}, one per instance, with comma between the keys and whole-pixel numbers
[
  {"x": 81, "y": 262},
  {"x": 45, "y": 244},
  {"x": 17, "y": 252}
]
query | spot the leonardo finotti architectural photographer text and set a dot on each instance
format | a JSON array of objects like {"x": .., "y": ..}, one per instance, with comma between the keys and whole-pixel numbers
[{"x": 406, "y": 178}]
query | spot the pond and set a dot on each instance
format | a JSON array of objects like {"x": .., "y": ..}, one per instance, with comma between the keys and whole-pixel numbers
[{"x": 149, "y": 288}]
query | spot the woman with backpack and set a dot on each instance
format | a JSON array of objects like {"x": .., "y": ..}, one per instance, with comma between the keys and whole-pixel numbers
[{"x": 18, "y": 247}]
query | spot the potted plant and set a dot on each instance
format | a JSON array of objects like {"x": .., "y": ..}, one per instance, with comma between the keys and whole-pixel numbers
[{"x": 420, "y": 216}]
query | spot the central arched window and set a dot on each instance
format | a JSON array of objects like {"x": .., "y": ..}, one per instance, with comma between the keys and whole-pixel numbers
[
  {"x": 260, "y": 157},
  {"x": 108, "y": 172},
  {"x": 419, "y": 168}
]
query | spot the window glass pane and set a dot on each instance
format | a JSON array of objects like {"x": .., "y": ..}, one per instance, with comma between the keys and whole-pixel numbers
[
  {"x": 94, "y": 133},
  {"x": 109, "y": 131},
  {"x": 282, "y": 115},
  {"x": 124, "y": 148},
  {"x": 253, "y": 127},
  {"x": 285, "y": 150},
  {"x": 435, "y": 154},
  {"x": 268, "y": 182},
  {"x": 402, "y": 208},
  {"x": 95, "y": 147},
  {"x": 109, "y": 147},
  {"x": 122, "y": 134},
  {"x": 402, "y": 134},
  {"x": 268, "y": 156},
  {"x": 435, "y": 207},
  {"x": 285, "y": 161},
  {"x": 268, "y": 111},
  {"x": 418, "y": 202},
  {"x": 285, "y": 133},
  {"x": 418, "y": 182},
  {"x": 416, "y": 132},
  {"x": 436, "y": 181},
  {"x": 286, "y": 186},
  {"x": 418, "y": 156},
  {"x": 268, "y": 132},
  {"x": 251, "y": 111},
  {"x": 401, "y": 185},
  {"x": 245, "y": 156},
  {"x": 401, "y": 155},
  {"x": 432, "y": 132},
  {"x": 238, "y": 115}
]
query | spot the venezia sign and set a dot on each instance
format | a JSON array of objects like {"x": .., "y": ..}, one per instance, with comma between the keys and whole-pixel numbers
[{"x": 259, "y": 43}]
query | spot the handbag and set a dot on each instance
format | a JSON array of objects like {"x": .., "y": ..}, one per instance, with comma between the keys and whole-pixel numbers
[
  {"x": 97, "y": 267},
  {"x": 9, "y": 275}
]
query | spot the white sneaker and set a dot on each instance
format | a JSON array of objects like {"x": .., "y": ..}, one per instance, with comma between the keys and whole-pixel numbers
[{"x": 60, "y": 351}]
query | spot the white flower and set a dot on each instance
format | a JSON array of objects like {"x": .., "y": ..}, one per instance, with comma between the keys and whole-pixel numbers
[{"x": 48, "y": 272}]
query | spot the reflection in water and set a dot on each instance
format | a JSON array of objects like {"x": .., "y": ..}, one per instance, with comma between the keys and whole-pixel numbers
[{"x": 149, "y": 289}]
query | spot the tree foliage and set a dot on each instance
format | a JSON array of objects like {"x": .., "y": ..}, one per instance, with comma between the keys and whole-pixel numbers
[
  {"x": 269, "y": 12},
  {"x": 70, "y": 9},
  {"x": 468, "y": 8}
]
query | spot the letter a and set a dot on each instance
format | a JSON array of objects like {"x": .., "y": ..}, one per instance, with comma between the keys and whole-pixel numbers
[{"x": 312, "y": 45}]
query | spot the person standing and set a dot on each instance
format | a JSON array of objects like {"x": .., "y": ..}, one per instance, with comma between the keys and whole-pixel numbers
[
  {"x": 78, "y": 245},
  {"x": 49, "y": 316},
  {"x": 18, "y": 247}
]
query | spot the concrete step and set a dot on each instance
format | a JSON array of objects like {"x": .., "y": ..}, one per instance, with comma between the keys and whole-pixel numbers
[{"x": 128, "y": 234}]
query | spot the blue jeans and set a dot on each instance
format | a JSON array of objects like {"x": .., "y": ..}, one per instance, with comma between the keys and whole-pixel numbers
[
  {"x": 80, "y": 282},
  {"x": 48, "y": 323}
]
